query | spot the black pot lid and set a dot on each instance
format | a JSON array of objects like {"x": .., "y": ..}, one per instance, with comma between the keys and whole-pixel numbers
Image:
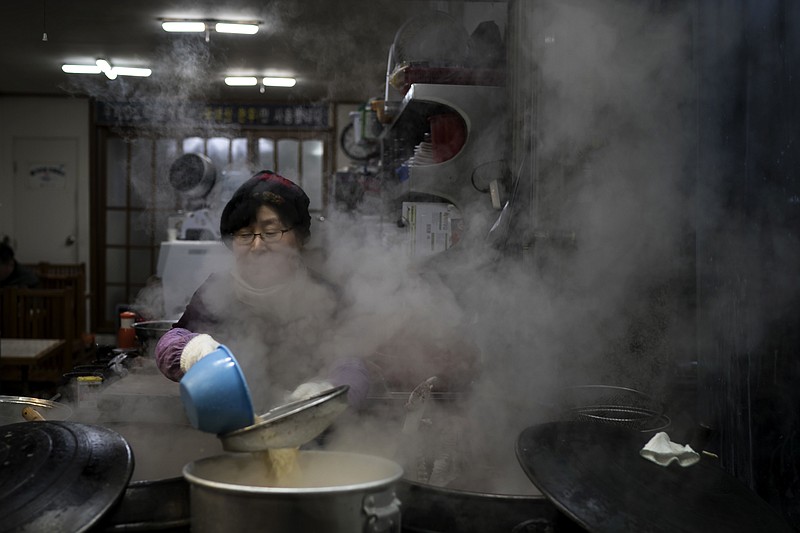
[
  {"x": 60, "y": 476},
  {"x": 593, "y": 472}
]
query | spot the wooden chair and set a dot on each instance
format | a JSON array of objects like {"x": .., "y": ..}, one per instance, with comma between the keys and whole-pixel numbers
[
  {"x": 8, "y": 319},
  {"x": 66, "y": 276},
  {"x": 42, "y": 314}
]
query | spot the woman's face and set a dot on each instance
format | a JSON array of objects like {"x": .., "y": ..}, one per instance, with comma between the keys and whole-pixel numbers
[{"x": 270, "y": 257}]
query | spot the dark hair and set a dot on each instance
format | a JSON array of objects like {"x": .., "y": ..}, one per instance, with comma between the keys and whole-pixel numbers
[
  {"x": 6, "y": 253},
  {"x": 270, "y": 189}
]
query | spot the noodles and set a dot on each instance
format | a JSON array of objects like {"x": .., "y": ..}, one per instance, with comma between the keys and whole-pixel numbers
[{"x": 281, "y": 465}]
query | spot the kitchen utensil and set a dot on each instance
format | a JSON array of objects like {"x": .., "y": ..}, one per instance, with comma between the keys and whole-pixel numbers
[
  {"x": 31, "y": 415},
  {"x": 335, "y": 492},
  {"x": 215, "y": 395},
  {"x": 620, "y": 406},
  {"x": 290, "y": 425},
  {"x": 60, "y": 476},
  {"x": 11, "y": 408},
  {"x": 594, "y": 474}
]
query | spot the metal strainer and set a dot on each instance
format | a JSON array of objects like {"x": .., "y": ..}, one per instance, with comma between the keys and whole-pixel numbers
[
  {"x": 290, "y": 425},
  {"x": 620, "y": 406}
]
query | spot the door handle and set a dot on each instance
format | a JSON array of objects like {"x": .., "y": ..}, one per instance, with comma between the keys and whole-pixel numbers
[{"x": 70, "y": 240}]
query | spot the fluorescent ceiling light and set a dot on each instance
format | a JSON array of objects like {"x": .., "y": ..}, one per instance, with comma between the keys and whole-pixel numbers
[
  {"x": 105, "y": 68},
  {"x": 101, "y": 65},
  {"x": 133, "y": 71},
  {"x": 183, "y": 26},
  {"x": 81, "y": 69},
  {"x": 279, "y": 82},
  {"x": 241, "y": 81},
  {"x": 228, "y": 27}
]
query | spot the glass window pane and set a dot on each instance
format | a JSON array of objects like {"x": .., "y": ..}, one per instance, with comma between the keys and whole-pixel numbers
[
  {"x": 289, "y": 160},
  {"x": 312, "y": 173},
  {"x": 116, "y": 228},
  {"x": 116, "y": 174},
  {"x": 266, "y": 154},
  {"x": 115, "y": 265},
  {"x": 218, "y": 152},
  {"x": 139, "y": 266},
  {"x": 114, "y": 296},
  {"x": 194, "y": 145},
  {"x": 141, "y": 172},
  {"x": 141, "y": 229},
  {"x": 166, "y": 153},
  {"x": 239, "y": 153}
]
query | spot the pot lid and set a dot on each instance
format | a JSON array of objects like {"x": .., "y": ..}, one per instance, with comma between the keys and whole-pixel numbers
[
  {"x": 60, "y": 476},
  {"x": 593, "y": 473}
]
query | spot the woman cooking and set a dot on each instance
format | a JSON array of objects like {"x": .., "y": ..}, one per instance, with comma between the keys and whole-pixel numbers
[{"x": 270, "y": 310}]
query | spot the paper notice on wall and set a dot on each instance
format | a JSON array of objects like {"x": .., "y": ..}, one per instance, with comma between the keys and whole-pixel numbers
[
  {"x": 47, "y": 176},
  {"x": 433, "y": 227}
]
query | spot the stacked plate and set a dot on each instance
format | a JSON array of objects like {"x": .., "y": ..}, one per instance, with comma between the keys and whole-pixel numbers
[{"x": 423, "y": 155}]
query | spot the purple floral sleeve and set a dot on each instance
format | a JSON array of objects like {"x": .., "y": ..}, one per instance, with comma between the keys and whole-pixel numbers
[
  {"x": 352, "y": 372},
  {"x": 169, "y": 349}
]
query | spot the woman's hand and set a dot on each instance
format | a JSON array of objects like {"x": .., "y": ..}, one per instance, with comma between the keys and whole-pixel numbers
[{"x": 197, "y": 348}]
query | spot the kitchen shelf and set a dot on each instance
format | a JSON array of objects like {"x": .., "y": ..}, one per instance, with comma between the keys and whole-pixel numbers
[{"x": 480, "y": 107}]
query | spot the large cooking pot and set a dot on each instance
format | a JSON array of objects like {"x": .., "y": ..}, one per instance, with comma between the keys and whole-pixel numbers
[
  {"x": 594, "y": 473},
  {"x": 337, "y": 492},
  {"x": 430, "y": 509},
  {"x": 60, "y": 476},
  {"x": 11, "y": 409},
  {"x": 157, "y": 497}
]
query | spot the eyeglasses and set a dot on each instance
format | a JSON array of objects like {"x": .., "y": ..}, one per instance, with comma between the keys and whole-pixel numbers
[{"x": 247, "y": 239}]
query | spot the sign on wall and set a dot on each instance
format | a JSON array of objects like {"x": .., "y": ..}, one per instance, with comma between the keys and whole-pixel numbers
[
  {"x": 46, "y": 175},
  {"x": 296, "y": 117}
]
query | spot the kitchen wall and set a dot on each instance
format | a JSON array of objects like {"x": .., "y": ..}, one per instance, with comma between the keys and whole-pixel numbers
[{"x": 44, "y": 118}]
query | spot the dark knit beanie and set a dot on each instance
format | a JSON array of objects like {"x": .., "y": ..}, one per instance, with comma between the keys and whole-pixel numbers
[{"x": 270, "y": 189}]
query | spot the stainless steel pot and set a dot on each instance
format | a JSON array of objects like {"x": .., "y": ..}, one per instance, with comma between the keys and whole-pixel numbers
[
  {"x": 11, "y": 408},
  {"x": 157, "y": 497},
  {"x": 338, "y": 492}
]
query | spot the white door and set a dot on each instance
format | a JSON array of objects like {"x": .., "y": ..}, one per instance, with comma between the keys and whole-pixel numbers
[{"x": 45, "y": 199}]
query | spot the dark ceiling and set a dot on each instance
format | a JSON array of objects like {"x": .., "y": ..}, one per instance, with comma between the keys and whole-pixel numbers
[{"x": 337, "y": 49}]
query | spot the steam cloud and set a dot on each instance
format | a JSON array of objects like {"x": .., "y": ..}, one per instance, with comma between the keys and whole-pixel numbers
[{"x": 613, "y": 85}]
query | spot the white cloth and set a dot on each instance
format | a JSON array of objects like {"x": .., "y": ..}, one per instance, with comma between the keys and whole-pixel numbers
[
  {"x": 662, "y": 451},
  {"x": 196, "y": 349},
  {"x": 307, "y": 390}
]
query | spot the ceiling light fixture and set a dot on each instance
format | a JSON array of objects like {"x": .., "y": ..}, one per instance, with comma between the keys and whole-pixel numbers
[
  {"x": 184, "y": 26},
  {"x": 249, "y": 27},
  {"x": 81, "y": 69},
  {"x": 279, "y": 82},
  {"x": 101, "y": 65},
  {"x": 133, "y": 71},
  {"x": 105, "y": 68},
  {"x": 241, "y": 81},
  {"x": 240, "y": 28}
]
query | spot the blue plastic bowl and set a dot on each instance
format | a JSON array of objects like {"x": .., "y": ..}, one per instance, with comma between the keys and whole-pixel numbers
[{"x": 215, "y": 395}]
